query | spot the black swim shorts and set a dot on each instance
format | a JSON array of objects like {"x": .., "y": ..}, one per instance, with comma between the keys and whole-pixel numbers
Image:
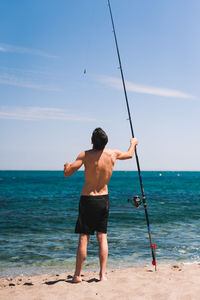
[{"x": 93, "y": 214}]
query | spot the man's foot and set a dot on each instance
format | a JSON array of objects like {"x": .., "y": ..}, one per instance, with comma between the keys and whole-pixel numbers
[
  {"x": 102, "y": 277},
  {"x": 76, "y": 279}
]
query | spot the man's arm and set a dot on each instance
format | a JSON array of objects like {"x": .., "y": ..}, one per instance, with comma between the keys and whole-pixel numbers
[
  {"x": 129, "y": 154},
  {"x": 70, "y": 169}
]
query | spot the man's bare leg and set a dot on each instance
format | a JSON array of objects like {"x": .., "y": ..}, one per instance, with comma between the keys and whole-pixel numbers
[
  {"x": 103, "y": 254},
  {"x": 81, "y": 256}
]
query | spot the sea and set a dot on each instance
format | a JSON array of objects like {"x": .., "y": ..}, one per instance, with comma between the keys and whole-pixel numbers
[{"x": 39, "y": 209}]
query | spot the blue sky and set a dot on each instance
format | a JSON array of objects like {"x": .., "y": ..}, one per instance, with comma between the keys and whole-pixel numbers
[{"x": 49, "y": 107}]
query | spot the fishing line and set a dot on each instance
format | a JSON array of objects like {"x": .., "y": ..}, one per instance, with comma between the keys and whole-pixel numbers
[{"x": 136, "y": 199}]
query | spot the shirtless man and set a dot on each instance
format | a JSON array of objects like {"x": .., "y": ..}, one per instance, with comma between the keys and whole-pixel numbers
[{"x": 94, "y": 202}]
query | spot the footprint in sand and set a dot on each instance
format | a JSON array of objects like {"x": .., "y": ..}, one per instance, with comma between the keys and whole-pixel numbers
[
  {"x": 11, "y": 284},
  {"x": 175, "y": 267},
  {"x": 28, "y": 283}
]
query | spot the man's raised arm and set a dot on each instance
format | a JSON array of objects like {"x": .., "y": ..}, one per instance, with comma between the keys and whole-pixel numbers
[
  {"x": 129, "y": 153},
  {"x": 70, "y": 169}
]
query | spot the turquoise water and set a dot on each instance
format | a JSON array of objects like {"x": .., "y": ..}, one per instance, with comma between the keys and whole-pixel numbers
[{"x": 38, "y": 212}]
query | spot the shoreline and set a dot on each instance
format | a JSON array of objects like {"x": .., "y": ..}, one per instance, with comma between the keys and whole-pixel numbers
[
  {"x": 31, "y": 271},
  {"x": 174, "y": 281}
]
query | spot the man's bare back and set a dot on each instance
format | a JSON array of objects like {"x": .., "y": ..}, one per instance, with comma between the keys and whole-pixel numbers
[
  {"x": 98, "y": 170},
  {"x": 99, "y": 166}
]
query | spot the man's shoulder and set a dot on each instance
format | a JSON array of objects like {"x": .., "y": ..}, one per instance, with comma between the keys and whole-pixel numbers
[
  {"x": 108, "y": 150},
  {"x": 105, "y": 151},
  {"x": 111, "y": 150},
  {"x": 81, "y": 155}
]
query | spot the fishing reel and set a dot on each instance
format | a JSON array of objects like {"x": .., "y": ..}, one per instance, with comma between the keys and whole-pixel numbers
[{"x": 135, "y": 201}]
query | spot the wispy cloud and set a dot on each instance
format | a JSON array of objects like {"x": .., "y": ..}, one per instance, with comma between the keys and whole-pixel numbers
[
  {"x": 14, "y": 81},
  {"x": 144, "y": 89},
  {"x": 35, "y": 113},
  {"x": 18, "y": 71},
  {"x": 24, "y": 50},
  {"x": 34, "y": 79}
]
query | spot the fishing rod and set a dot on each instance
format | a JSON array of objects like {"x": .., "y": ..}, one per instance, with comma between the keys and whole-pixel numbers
[{"x": 136, "y": 199}]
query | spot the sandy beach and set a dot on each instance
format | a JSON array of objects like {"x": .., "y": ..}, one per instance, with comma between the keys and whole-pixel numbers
[{"x": 170, "y": 282}]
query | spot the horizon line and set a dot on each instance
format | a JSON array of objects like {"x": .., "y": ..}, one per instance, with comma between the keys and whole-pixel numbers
[{"x": 58, "y": 170}]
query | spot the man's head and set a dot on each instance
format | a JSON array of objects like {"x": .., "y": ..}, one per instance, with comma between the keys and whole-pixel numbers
[{"x": 99, "y": 139}]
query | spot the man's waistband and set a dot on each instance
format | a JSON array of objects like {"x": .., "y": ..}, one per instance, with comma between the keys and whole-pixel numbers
[{"x": 96, "y": 197}]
